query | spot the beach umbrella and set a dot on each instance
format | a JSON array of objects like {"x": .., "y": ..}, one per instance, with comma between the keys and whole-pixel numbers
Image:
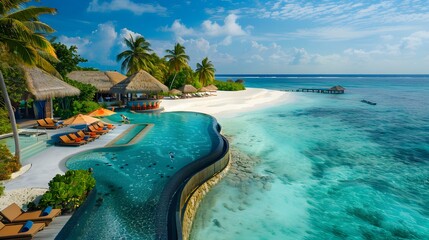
[
  {"x": 81, "y": 119},
  {"x": 101, "y": 112},
  {"x": 188, "y": 89},
  {"x": 175, "y": 92}
]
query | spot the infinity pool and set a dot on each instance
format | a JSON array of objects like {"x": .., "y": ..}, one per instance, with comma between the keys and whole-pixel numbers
[{"x": 131, "y": 178}]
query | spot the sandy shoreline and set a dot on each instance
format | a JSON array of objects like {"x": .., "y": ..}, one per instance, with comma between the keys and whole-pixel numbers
[{"x": 224, "y": 105}]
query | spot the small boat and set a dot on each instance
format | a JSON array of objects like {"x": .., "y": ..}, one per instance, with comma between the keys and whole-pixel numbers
[{"x": 368, "y": 102}]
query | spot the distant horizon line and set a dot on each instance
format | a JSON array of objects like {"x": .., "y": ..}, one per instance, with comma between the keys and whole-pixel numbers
[{"x": 326, "y": 74}]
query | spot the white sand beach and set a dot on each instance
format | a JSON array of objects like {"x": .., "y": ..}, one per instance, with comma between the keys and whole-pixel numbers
[{"x": 51, "y": 162}]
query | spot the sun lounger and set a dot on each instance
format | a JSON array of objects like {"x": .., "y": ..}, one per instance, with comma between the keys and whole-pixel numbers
[
  {"x": 66, "y": 141},
  {"x": 42, "y": 124},
  {"x": 102, "y": 125},
  {"x": 14, "y": 214},
  {"x": 73, "y": 137},
  {"x": 53, "y": 122},
  {"x": 14, "y": 231},
  {"x": 91, "y": 128},
  {"x": 81, "y": 134}
]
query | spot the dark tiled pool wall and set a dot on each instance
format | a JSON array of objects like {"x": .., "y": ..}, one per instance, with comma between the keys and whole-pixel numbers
[{"x": 179, "y": 189}]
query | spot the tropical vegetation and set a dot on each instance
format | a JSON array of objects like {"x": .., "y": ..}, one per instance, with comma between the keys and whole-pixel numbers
[
  {"x": 1, "y": 190},
  {"x": 67, "y": 191},
  {"x": 137, "y": 57},
  {"x": 8, "y": 163},
  {"x": 229, "y": 86},
  {"x": 205, "y": 71},
  {"x": 177, "y": 60},
  {"x": 22, "y": 41}
]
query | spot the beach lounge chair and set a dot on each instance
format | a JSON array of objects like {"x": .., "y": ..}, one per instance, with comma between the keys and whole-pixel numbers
[
  {"x": 51, "y": 121},
  {"x": 14, "y": 214},
  {"x": 81, "y": 134},
  {"x": 42, "y": 124},
  {"x": 66, "y": 141},
  {"x": 14, "y": 231},
  {"x": 91, "y": 128},
  {"x": 107, "y": 126},
  {"x": 74, "y": 137}
]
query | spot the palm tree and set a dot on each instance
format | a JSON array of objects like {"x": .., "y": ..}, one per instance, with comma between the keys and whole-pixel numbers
[
  {"x": 137, "y": 57},
  {"x": 22, "y": 38},
  {"x": 177, "y": 59},
  {"x": 205, "y": 71}
]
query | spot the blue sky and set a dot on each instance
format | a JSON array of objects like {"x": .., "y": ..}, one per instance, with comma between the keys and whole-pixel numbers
[{"x": 292, "y": 36}]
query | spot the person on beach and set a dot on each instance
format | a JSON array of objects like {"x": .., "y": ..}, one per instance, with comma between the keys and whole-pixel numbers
[{"x": 125, "y": 119}]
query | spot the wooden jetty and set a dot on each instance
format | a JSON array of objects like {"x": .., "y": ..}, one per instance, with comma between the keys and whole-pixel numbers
[{"x": 333, "y": 90}]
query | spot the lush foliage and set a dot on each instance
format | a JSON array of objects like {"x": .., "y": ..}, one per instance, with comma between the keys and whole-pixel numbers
[
  {"x": 70, "y": 106},
  {"x": 15, "y": 82},
  {"x": 137, "y": 57},
  {"x": 177, "y": 60},
  {"x": 185, "y": 76},
  {"x": 8, "y": 163},
  {"x": 22, "y": 34},
  {"x": 68, "y": 191},
  {"x": 5, "y": 126},
  {"x": 205, "y": 71},
  {"x": 229, "y": 86},
  {"x": 1, "y": 190},
  {"x": 69, "y": 59}
]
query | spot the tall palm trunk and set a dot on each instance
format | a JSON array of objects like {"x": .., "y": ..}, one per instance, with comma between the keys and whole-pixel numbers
[
  {"x": 11, "y": 116},
  {"x": 171, "y": 84}
]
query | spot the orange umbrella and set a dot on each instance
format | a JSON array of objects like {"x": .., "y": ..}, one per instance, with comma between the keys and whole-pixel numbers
[
  {"x": 101, "y": 112},
  {"x": 81, "y": 119}
]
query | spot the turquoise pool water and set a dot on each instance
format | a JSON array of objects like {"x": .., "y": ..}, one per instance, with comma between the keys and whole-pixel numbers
[
  {"x": 130, "y": 134},
  {"x": 30, "y": 144},
  {"x": 326, "y": 166},
  {"x": 130, "y": 179}
]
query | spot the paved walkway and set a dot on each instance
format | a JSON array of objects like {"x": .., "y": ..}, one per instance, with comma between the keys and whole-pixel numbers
[{"x": 50, "y": 162}]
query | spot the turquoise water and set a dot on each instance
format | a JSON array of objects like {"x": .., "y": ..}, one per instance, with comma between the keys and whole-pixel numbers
[
  {"x": 326, "y": 166},
  {"x": 130, "y": 179},
  {"x": 130, "y": 135}
]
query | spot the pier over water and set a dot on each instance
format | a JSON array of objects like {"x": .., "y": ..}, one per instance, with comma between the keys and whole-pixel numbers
[{"x": 333, "y": 90}]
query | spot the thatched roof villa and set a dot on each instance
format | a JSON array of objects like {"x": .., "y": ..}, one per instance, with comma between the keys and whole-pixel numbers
[
  {"x": 103, "y": 81},
  {"x": 43, "y": 86}
]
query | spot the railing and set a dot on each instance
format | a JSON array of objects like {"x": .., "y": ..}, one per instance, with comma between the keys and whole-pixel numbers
[{"x": 174, "y": 198}]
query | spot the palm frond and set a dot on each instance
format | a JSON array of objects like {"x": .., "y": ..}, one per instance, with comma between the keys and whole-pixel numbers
[
  {"x": 39, "y": 27},
  {"x": 31, "y": 13}
]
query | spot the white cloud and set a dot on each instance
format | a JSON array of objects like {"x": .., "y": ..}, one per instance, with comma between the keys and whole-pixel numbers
[
  {"x": 258, "y": 46},
  {"x": 179, "y": 29},
  {"x": 226, "y": 41},
  {"x": 96, "y": 47},
  {"x": 230, "y": 27},
  {"x": 415, "y": 40},
  {"x": 202, "y": 45},
  {"x": 118, "y": 5}
]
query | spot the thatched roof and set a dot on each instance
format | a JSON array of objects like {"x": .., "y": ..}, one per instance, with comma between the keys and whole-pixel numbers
[
  {"x": 103, "y": 81},
  {"x": 140, "y": 82},
  {"x": 337, "y": 88},
  {"x": 175, "y": 92},
  {"x": 211, "y": 87},
  {"x": 43, "y": 85},
  {"x": 204, "y": 89},
  {"x": 188, "y": 89}
]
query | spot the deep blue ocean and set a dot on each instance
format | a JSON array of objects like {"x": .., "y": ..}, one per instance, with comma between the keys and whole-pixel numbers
[{"x": 322, "y": 166}]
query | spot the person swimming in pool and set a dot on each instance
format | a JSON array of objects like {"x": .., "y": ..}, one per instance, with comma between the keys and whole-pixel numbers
[
  {"x": 171, "y": 156},
  {"x": 125, "y": 119}
]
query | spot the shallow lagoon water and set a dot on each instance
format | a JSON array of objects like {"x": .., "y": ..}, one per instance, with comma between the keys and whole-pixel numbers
[{"x": 327, "y": 166}]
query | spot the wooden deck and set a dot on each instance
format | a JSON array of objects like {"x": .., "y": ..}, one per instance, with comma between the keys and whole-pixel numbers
[{"x": 51, "y": 231}]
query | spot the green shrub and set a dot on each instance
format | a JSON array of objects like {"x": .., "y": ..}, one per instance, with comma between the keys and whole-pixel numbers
[
  {"x": 229, "y": 86},
  {"x": 68, "y": 191},
  {"x": 8, "y": 163},
  {"x": 5, "y": 126},
  {"x": 1, "y": 190}
]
